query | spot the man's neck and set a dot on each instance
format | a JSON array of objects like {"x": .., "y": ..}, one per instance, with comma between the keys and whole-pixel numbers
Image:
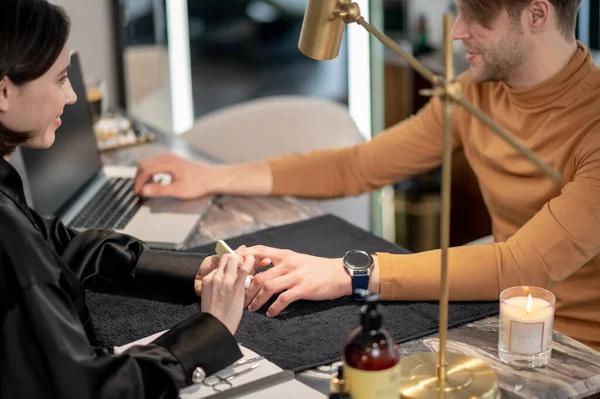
[{"x": 546, "y": 61}]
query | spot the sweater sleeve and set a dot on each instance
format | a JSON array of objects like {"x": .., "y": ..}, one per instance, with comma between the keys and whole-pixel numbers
[
  {"x": 551, "y": 246},
  {"x": 410, "y": 147}
]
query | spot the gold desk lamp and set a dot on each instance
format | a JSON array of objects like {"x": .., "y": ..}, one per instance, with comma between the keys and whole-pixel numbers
[{"x": 430, "y": 374}]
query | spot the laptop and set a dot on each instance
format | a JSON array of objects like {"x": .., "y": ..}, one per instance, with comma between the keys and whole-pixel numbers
[{"x": 69, "y": 180}]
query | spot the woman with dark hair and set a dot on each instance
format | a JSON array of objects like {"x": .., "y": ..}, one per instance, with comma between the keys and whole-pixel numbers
[{"x": 46, "y": 334}]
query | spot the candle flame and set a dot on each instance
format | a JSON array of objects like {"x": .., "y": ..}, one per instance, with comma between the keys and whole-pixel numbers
[{"x": 529, "y": 303}]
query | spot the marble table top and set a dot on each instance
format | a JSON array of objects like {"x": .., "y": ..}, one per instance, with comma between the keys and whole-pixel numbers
[{"x": 573, "y": 371}]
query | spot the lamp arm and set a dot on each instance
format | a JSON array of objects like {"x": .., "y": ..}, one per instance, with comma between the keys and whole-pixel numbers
[{"x": 417, "y": 66}]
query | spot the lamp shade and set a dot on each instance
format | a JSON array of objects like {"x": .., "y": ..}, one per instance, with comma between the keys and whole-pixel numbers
[{"x": 322, "y": 30}]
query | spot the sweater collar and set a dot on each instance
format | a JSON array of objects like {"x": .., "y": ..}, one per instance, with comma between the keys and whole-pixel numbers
[{"x": 552, "y": 88}]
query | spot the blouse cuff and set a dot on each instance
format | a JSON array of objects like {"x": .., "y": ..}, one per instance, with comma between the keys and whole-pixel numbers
[{"x": 201, "y": 341}]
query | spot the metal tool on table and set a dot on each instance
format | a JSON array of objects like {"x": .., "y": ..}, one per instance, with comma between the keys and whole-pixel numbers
[
  {"x": 220, "y": 383},
  {"x": 247, "y": 361},
  {"x": 256, "y": 385}
]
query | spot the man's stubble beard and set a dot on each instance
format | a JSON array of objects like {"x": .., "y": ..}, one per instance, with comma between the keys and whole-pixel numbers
[{"x": 503, "y": 60}]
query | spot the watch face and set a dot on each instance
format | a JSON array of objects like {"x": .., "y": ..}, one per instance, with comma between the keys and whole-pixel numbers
[{"x": 358, "y": 260}]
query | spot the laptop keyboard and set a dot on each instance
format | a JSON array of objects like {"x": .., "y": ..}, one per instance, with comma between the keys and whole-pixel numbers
[{"x": 112, "y": 207}]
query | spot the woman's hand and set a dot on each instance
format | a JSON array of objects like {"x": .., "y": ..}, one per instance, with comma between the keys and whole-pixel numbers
[
  {"x": 296, "y": 276},
  {"x": 223, "y": 290},
  {"x": 211, "y": 263}
]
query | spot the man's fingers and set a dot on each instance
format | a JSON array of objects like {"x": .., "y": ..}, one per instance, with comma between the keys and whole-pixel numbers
[
  {"x": 141, "y": 178},
  {"x": 284, "y": 300},
  {"x": 271, "y": 288},
  {"x": 159, "y": 190},
  {"x": 261, "y": 251},
  {"x": 259, "y": 262},
  {"x": 259, "y": 280},
  {"x": 149, "y": 167},
  {"x": 265, "y": 262}
]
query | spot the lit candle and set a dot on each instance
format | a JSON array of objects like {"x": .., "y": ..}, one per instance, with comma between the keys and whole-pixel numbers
[{"x": 527, "y": 324}]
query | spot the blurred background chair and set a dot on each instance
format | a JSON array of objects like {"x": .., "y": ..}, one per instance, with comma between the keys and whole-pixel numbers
[{"x": 278, "y": 125}]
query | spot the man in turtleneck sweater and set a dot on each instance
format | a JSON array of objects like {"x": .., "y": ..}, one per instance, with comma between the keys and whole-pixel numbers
[{"x": 528, "y": 73}]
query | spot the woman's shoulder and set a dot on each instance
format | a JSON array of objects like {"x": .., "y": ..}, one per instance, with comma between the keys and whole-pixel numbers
[
  {"x": 14, "y": 222},
  {"x": 22, "y": 262},
  {"x": 22, "y": 248}
]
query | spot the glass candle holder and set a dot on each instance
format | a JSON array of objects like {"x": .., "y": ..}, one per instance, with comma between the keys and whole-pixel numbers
[
  {"x": 95, "y": 90},
  {"x": 526, "y": 326}
]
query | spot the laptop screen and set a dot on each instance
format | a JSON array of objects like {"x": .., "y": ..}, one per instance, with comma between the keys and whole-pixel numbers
[{"x": 56, "y": 174}]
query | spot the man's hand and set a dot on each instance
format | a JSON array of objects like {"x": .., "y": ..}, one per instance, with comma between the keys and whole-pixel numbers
[
  {"x": 188, "y": 179},
  {"x": 223, "y": 290},
  {"x": 296, "y": 276}
]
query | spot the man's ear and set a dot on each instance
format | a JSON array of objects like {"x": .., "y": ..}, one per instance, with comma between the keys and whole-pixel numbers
[
  {"x": 539, "y": 14},
  {"x": 4, "y": 92}
]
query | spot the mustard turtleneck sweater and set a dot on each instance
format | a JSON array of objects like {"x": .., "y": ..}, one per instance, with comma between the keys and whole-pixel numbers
[{"x": 546, "y": 235}]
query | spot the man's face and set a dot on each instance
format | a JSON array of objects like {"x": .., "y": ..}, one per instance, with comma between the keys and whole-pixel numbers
[{"x": 496, "y": 52}]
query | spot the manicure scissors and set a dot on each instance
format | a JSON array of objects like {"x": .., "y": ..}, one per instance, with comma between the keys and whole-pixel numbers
[
  {"x": 246, "y": 361},
  {"x": 220, "y": 384}
]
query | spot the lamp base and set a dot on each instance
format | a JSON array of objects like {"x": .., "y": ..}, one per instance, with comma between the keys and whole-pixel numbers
[{"x": 466, "y": 377}]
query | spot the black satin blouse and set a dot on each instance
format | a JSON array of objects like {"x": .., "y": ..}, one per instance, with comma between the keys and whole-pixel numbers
[{"x": 47, "y": 343}]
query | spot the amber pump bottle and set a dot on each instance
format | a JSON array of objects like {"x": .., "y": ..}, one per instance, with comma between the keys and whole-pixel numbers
[{"x": 371, "y": 356}]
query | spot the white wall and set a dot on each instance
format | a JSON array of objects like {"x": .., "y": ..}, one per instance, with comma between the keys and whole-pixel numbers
[{"x": 92, "y": 34}]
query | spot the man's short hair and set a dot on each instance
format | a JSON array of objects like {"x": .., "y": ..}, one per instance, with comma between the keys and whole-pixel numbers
[{"x": 484, "y": 12}]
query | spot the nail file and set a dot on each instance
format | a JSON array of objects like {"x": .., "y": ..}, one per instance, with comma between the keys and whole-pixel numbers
[
  {"x": 255, "y": 385},
  {"x": 222, "y": 248}
]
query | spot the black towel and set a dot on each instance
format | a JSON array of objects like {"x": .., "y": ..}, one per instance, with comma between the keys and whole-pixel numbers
[{"x": 307, "y": 334}]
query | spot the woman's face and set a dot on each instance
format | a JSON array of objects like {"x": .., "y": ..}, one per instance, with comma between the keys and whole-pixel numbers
[{"x": 36, "y": 106}]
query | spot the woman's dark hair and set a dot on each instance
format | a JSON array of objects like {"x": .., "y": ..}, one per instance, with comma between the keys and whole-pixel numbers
[{"x": 32, "y": 36}]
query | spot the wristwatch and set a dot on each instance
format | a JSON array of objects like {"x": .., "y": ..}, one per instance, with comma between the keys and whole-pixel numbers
[{"x": 358, "y": 263}]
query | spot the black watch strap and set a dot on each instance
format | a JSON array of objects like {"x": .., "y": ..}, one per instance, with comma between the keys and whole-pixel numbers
[{"x": 359, "y": 281}]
